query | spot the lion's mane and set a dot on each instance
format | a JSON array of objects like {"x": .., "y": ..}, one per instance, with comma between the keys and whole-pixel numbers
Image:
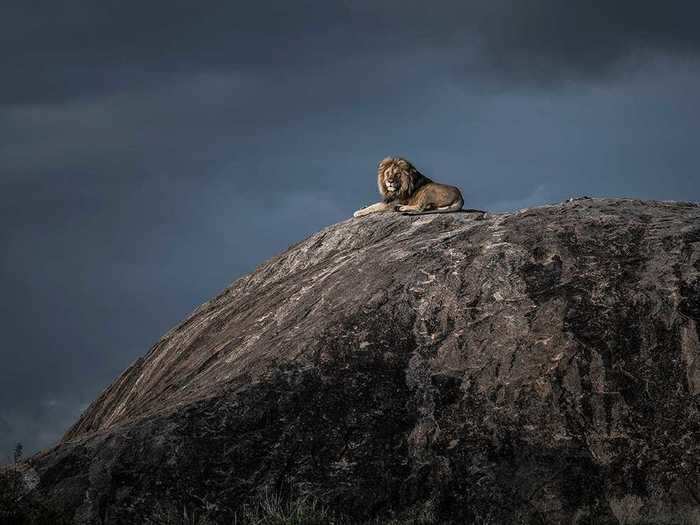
[{"x": 411, "y": 178}]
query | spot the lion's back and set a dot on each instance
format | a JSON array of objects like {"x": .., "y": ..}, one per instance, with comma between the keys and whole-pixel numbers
[{"x": 437, "y": 194}]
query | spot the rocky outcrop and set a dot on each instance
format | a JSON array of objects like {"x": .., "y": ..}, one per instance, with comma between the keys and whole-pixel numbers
[{"x": 532, "y": 367}]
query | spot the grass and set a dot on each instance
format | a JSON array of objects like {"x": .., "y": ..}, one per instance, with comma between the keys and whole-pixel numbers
[
  {"x": 19, "y": 508},
  {"x": 271, "y": 509},
  {"x": 16, "y": 509}
]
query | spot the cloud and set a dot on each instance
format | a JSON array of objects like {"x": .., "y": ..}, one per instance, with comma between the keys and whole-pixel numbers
[
  {"x": 538, "y": 196},
  {"x": 78, "y": 49},
  {"x": 546, "y": 41},
  {"x": 38, "y": 426},
  {"x": 5, "y": 427}
]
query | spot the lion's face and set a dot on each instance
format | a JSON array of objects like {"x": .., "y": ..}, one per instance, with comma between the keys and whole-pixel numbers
[
  {"x": 396, "y": 177},
  {"x": 392, "y": 182}
]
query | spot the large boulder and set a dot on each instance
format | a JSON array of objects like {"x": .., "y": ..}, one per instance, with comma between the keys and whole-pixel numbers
[{"x": 532, "y": 367}]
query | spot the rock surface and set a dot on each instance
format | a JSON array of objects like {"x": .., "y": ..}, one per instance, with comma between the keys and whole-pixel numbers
[{"x": 533, "y": 367}]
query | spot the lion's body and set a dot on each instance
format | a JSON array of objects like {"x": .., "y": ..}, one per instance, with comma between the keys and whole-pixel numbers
[
  {"x": 433, "y": 197},
  {"x": 406, "y": 190}
]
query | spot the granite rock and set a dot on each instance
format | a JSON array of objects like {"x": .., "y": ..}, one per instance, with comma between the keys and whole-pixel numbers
[{"x": 533, "y": 367}]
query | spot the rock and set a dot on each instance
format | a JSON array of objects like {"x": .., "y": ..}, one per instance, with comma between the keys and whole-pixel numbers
[{"x": 533, "y": 367}]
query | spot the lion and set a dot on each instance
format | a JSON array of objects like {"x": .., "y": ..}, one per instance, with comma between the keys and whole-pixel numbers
[{"x": 407, "y": 190}]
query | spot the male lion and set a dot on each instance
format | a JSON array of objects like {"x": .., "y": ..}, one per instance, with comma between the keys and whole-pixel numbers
[{"x": 407, "y": 190}]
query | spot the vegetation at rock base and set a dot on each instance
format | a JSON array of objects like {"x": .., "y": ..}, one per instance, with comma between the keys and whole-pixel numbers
[
  {"x": 16, "y": 508},
  {"x": 274, "y": 509}
]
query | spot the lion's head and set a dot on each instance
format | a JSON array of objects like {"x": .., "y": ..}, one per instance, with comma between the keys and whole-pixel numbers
[{"x": 397, "y": 178}]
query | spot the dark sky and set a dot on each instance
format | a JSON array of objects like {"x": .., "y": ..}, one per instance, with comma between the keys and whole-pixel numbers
[{"x": 152, "y": 152}]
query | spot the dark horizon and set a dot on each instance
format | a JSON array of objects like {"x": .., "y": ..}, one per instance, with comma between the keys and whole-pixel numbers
[{"x": 154, "y": 153}]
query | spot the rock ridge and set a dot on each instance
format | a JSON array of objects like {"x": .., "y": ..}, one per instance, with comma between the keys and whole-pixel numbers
[{"x": 541, "y": 366}]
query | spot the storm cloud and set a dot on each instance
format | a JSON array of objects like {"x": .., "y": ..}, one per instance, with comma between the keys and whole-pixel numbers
[
  {"x": 54, "y": 51},
  {"x": 152, "y": 152}
]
